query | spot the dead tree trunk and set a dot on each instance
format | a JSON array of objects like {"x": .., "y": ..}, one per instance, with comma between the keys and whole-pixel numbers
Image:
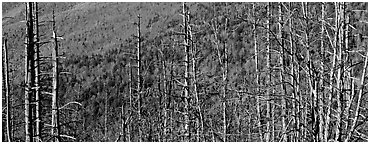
[
  {"x": 186, "y": 72},
  {"x": 339, "y": 19},
  {"x": 55, "y": 131},
  {"x": 257, "y": 76},
  {"x": 268, "y": 81},
  {"x": 123, "y": 123},
  {"x": 224, "y": 80},
  {"x": 282, "y": 71},
  {"x": 130, "y": 95},
  {"x": 292, "y": 74},
  {"x": 199, "y": 122},
  {"x": 37, "y": 75},
  {"x": 165, "y": 97},
  {"x": 138, "y": 60},
  {"x": 7, "y": 92},
  {"x": 350, "y": 82},
  {"x": 321, "y": 95},
  {"x": 29, "y": 73}
]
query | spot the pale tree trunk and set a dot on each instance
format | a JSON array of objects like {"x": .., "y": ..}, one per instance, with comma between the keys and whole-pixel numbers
[
  {"x": 165, "y": 95},
  {"x": 283, "y": 91},
  {"x": 292, "y": 73},
  {"x": 224, "y": 91},
  {"x": 7, "y": 92},
  {"x": 200, "y": 118},
  {"x": 171, "y": 106},
  {"x": 186, "y": 72},
  {"x": 300, "y": 100},
  {"x": 138, "y": 55},
  {"x": 130, "y": 95},
  {"x": 123, "y": 123},
  {"x": 350, "y": 82},
  {"x": 339, "y": 15},
  {"x": 192, "y": 70},
  {"x": 37, "y": 79},
  {"x": 29, "y": 74},
  {"x": 55, "y": 131},
  {"x": 268, "y": 81},
  {"x": 321, "y": 96},
  {"x": 165, "y": 103},
  {"x": 257, "y": 77}
]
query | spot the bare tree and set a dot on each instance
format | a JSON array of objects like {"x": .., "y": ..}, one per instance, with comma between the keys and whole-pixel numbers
[
  {"x": 268, "y": 81},
  {"x": 322, "y": 54},
  {"x": 257, "y": 72},
  {"x": 7, "y": 91},
  {"x": 138, "y": 89},
  {"x": 339, "y": 7},
  {"x": 55, "y": 131},
  {"x": 130, "y": 97},
  {"x": 29, "y": 73},
  {"x": 37, "y": 75},
  {"x": 282, "y": 71},
  {"x": 186, "y": 85}
]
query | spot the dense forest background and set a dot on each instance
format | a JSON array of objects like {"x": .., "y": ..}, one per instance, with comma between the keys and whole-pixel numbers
[{"x": 198, "y": 72}]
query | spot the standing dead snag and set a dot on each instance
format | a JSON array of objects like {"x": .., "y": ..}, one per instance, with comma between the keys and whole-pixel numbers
[
  {"x": 292, "y": 70},
  {"x": 224, "y": 80},
  {"x": 164, "y": 109},
  {"x": 138, "y": 60},
  {"x": 186, "y": 72},
  {"x": 199, "y": 122},
  {"x": 282, "y": 71},
  {"x": 193, "y": 51},
  {"x": 339, "y": 18},
  {"x": 130, "y": 95},
  {"x": 37, "y": 76},
  {"x": 29, "y": 72},
  {"x": 268, "y": 110},
  {"x": 321, "y": 81},
  {"x": 55, "y": 131},
  {"x": 257, "y": 73},
  {"x": 7, "y": 91}
]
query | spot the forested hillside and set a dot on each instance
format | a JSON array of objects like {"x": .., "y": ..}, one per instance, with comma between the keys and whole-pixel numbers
[{"x": 185, "y": 72}]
